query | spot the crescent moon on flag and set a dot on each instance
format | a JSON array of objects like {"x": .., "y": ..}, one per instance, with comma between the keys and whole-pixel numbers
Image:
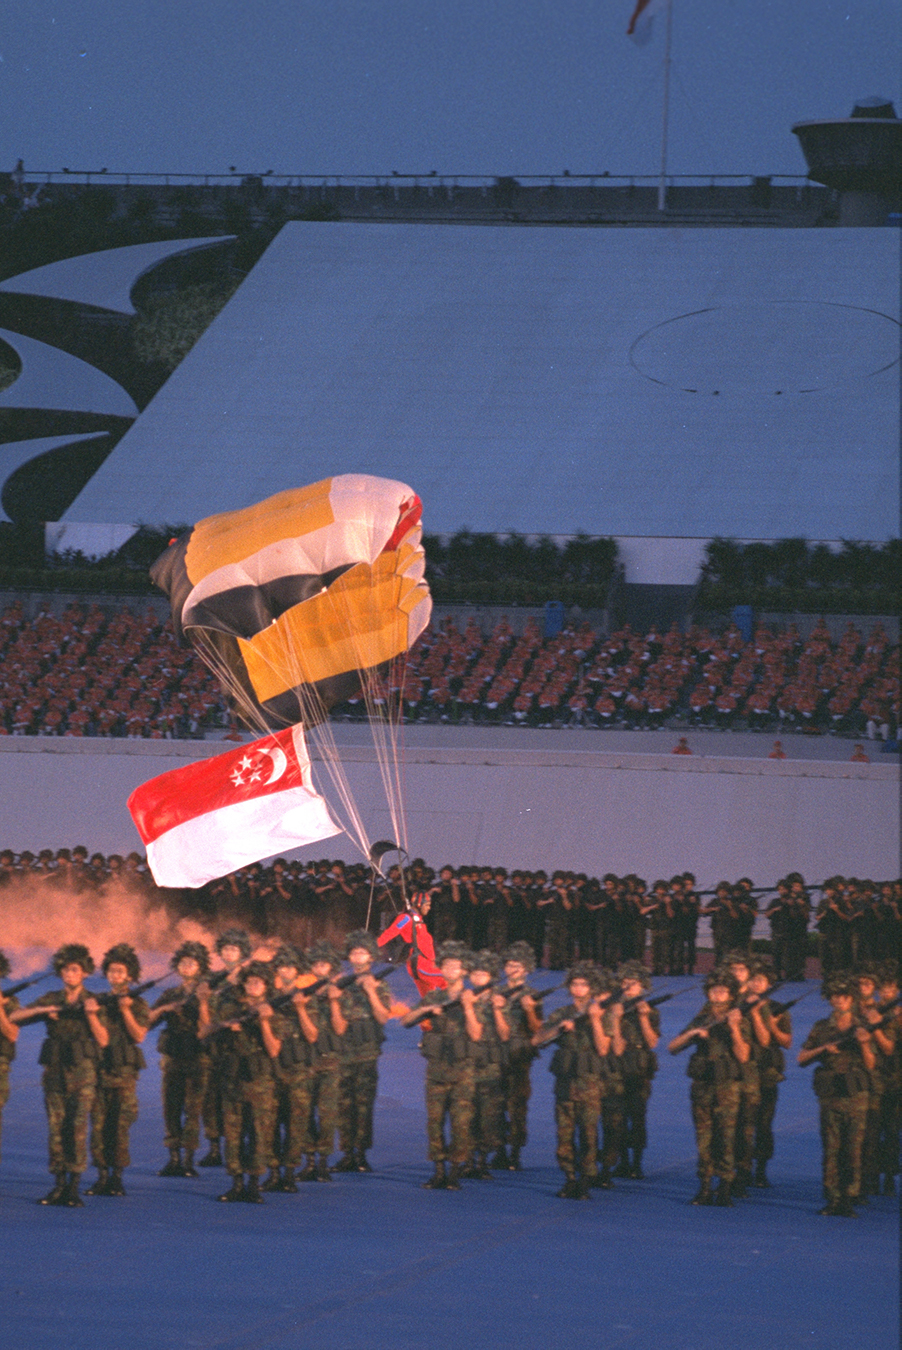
[{"x": 279, "y": 763}]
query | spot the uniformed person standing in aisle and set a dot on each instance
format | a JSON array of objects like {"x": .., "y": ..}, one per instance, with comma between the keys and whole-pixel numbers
[
  {"x": 9, "y": 1034},
  {"x": 365, "y": 1007},
  {"x": 448, "y": 1044},
  {"x": 184, "y": 1058},
  {"x": 76, "y": 1033},
  {"x": 640, "y": 1028},
  {"x": 489, "y": 1058},
  {"x": 845, "y": 1050},
  {"x": 523, "y": 1013},
  {"x": 721, "y": 1037},
  {"x": 582, "y": 1045},
  {"x": 115, "y": 1107}
]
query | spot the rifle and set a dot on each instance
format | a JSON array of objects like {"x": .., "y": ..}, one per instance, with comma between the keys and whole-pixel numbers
[
  {"x": 419, "y": 1015},
  {"x": 521, "y": 990},
  {"x": 848, "y": 1037},
  {"x": 110, "y": 999},
  {"x": 26, "y": 984},
  {"x": 780, "y": 1008},
  {"x": 279, "y": 1001}
]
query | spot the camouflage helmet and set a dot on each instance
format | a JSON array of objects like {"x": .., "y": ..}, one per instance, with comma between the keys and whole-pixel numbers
[
  {"x": 234, "y": 937},
  {"x": 585, "y": 970},
  {"x": 634, "y": 970},
  {"x": 323, "y": 951},
  {"x": 260, "y": 970},
  {"x": 736, "y": 958},
  {"x": 123, "y": 954},
  {"x": 523, "y": 953},
  {"x": 888, "y": 972},
  {"x": 840, "y": 982},
  {"x": 4, "y": 965},
  {"x": 722, "y": 975},
  {"x": 286, "y": 955},
  {"x": 73, "y": 954},
  {"x": 761, "y": 965},
  {"x": 194, "y": 951},
  {"x": 486, "y": 960},
  {"x": 361, "y": 938},
  {"x": 455, "y": 951}
]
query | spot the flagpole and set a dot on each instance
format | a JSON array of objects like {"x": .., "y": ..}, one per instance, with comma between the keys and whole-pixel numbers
[{"x": 665, "y": 110}]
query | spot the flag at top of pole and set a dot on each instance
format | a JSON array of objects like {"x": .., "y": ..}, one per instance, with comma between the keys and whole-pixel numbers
[{"x": 642, "y": 23}]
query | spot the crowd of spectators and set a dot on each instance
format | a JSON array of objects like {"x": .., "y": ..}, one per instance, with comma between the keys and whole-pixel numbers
[
  {"x": 565, "y": 916},
  {"x": 90, "y": 672}
]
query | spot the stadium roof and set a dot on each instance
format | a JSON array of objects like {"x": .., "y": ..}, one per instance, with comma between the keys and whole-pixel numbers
[{"x": 545, "y": 380}]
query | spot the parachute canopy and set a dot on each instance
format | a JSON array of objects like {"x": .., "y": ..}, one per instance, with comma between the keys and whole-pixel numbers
[{"x": 297, "y": 602}]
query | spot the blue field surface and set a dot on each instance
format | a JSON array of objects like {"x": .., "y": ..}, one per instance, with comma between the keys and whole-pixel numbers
[{"x": 378, "y": 1263}]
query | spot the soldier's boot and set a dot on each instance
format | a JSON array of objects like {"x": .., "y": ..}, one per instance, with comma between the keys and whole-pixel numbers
[
  {"x": 438, "y": 1181},
  {"x": 741, "y": 1183},
  {"x": 571, "y": 1189},
  {"x": 308, "y": 1171},
  {"x": 214, "y": 1157},
  {"x": 114, "y": 1186},
  {"x": 514, "y": 1159},
  {"x": 347, "y": 1162},
  {"x": 604, "y": 1181},
  {"x": 636, "y": 1170},
  {"x": 724, "y": 1196},
  {"x": 480, "y": 1169},
  {"x": 273, "y": 1180},
  {"x": 321, "y": 1171},
  {"x": 704, "y": 1195},
  {"x": 583, "y": 1187},
  {"x": 174, "y": 1166},
  {"x": 361, "y": 1165},
  {"x": 453, "y": 1181},
  {"x": 188, "y": 1168},
  {"x": 235, "y": 1191},
  {"x": 623, "y": 1168},
  {"x": 845, "y": 1206},
  {"x": 54, "y": 1196},
  {"x": 251, "y": 1194},
  {"x": 289, "y": 1185},
  {"x": 761, "y": 1182},
  {"x": 500, "y": 1162},
  {"x": 70, "y": 1196},
  {"x": 99, "y": 1187}
]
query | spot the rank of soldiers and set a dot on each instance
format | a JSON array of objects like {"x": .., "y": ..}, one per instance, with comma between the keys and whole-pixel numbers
[{"x": 271, "y": 1061}]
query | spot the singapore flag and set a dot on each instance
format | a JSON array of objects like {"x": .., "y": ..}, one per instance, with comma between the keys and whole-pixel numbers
[{"x": 210, "y": 818}]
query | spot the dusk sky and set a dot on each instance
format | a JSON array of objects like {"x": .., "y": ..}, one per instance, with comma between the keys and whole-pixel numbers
[{"x": 371, "y": 86}]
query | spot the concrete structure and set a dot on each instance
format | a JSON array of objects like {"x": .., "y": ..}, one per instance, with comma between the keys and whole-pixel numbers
[
  {"x": 658, "y": 383},
  {"x": 615, "y": 801}
]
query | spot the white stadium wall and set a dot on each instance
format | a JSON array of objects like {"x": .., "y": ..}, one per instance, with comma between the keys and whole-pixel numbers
[{"x": 590, "y": 810}]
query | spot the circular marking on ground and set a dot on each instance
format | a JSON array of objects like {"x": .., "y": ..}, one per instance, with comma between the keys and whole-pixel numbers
[{"x": 767, "y": 347}]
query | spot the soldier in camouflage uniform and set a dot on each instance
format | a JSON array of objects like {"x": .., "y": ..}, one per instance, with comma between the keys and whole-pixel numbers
[
  {"x": 577, "y": 1065},
  {"x": 891, "y": 1072},
  {"x": 722, "y": 1037},
  {"x": 768, "y": 1046},
  {"x": 9, "y": 1034},
  {"x": 489, "y": 1059},
  {"x": 450, "y": 1036},
  {"x": 640, "y": 1029},
  {"x": 366, "y": 1007},
  {"x": 884, "y": 1045},
  {"x": 76, "y": 1033},
  {"x": 233, "y": 947},
  {"x": 523, "y": 1014},
  {"x": 250, "y": 1043},
  {"x": 845, "y": 1050},
  {"x": 750, "y": 1093},
  {"x": 115, "y": 1107},
  {"x": 324, "y": 1011},
  {"x": 184, "y": 1058}
]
